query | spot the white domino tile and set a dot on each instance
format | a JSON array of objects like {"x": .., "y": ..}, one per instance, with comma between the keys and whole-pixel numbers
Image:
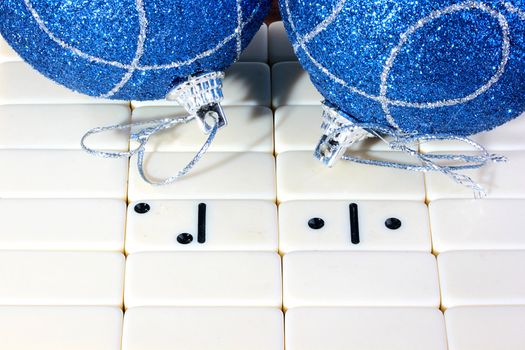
[
  {"x": 217, "y": 176},
  {"x": 500, "y": 180},
  {"x": 245, "y": 84},
  {"x": 249, "y": 129},
  {"x": 248, "y": 84},
  {"x": 61, "y": 278},
  {"x": 469, "y": 224},
  {"x": 360, "y": 279},
  {"x": 298, "y": 128},
  {"x": 482, "y": 278},
  {"x": 365, "y": 329},
  {"x": 203, "y": 279},
  {"x": 62, "y": 126},
  {"x": 62, "y": 224},
  {"x": 21, "y": 84},
  {"x": 257, "y": 50},
  {"x": 299, "y": 226},
  {"x": 203, "y": 329},
  {"x": 53, "y": 328},
  {"x": 508, "y": 137},
  {"x": 6, "y": 52},
  {"x": 302, "y": 177},
  {"x": 61, "y": 174},
  {"x": 228, "y": 226},
  {"x": 280, "y": 48},
  {"x": 291, "y": 85},
  {"x": 486, "y": 328}
]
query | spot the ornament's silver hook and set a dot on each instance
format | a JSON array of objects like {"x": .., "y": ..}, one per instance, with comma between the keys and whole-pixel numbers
[{"x": 200, "y": 95}]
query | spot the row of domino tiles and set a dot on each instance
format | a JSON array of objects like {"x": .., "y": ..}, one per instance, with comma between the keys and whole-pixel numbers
[
  {"x": 148, "y": 326},
  {"x": 246, "y": 144}
]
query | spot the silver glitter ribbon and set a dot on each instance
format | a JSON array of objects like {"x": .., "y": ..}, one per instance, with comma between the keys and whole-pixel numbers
[
  {"x": 341, "y": 133},
  {"x": 142, "y": 136},
  {"x": 201, "y": 96}
]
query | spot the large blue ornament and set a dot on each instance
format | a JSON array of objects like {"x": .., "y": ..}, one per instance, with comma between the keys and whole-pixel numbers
[
  {"x": 129, "y": 49},
  {"x": 416, "y": 66}
]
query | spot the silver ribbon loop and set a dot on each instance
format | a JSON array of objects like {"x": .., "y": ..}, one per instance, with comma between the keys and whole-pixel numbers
[
  {"x": 428, "y": 162},
  {"x": 143, "y": 135}
]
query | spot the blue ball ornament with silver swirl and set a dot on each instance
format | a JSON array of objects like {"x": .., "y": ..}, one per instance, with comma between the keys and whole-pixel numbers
[
  {"x": 427, "y": 66},
  {"x": 414, "y": 69}
]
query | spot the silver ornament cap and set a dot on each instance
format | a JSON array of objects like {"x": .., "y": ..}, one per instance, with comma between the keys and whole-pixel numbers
[
  {"x": 339, "y": 134},
  {"x": 201, "y": 96}
]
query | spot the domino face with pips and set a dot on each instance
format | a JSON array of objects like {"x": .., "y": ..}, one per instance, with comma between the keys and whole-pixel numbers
[
  {"x": 354, "y": 226},
  {"x": 201, "y": 225}
]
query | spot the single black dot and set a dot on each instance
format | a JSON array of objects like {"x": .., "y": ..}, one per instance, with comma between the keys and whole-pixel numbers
[
  {"x": 185, "y": 238},
  {"x": 142, "y": 208},
  {"x": 316, "y": 223},
  {"x": 393, "y": 223}
]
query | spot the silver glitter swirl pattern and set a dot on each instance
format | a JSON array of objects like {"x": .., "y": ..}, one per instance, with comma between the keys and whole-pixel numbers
[
  {"x": 301, "y": 43},
  {"x": 135, "y": 64},
  {"x": 143, "y": 24}
]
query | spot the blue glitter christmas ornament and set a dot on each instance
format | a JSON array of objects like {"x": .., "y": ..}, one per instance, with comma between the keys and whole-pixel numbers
[
  {"x": 129, "y": 49},
  {"x": 418, "y": 69},
  {"x": 137, "y": 50}
]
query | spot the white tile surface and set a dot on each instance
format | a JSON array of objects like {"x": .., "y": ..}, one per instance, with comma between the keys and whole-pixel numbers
[
  {"x": 230, "y": 225},
  {"x": 62, "y": 126},
  {"x": 298, "y": 128},
  {"x": 301, "y": 177},
  {"x": 469, "y": 224},
  {"x": 53, "y": 328},
  {"x": 365, "y": 329},
  {"x": 291, "y": 85},
  {"x": 335, "y": 235},
  {"x": 482, "y": 278},
  {"x": 508, "y": 137},
  {"x": 280, "y": 48},
  {"x": 245, "y": 84},
  {"x": 203, "y": 279},
  {"x": 21, "y": 84},
  {"x": 62, "y": 224},
  {"x": 249, "y": 129},
  {"x": 257, "y": 50},
  {"x": 61, "y": 278},
  {"x": 61, "y": 174},
  {"x": 360, "y": 279},
  {"x": 500, "y": 180},
  {"x": 486, "y": 328},
  {"x": 6, "y": 52},
  {"x": 203, "y": 329},
  {"x": 217, "y": 176}
]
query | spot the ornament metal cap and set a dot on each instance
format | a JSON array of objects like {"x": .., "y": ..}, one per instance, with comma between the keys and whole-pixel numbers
[
  {"x": 201, "y": 96},
  {"x": 335, "y": 141}
]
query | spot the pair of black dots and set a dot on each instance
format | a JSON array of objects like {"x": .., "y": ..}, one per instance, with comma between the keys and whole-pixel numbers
[
  {"x": 318, "y": 223},
  {"x": 184, "y": 238}
]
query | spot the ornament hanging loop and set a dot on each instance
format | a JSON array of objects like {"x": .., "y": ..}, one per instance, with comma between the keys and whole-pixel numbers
[
  {"x": 142, "y": 136},
  {"x": 340, "y": 133}
]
